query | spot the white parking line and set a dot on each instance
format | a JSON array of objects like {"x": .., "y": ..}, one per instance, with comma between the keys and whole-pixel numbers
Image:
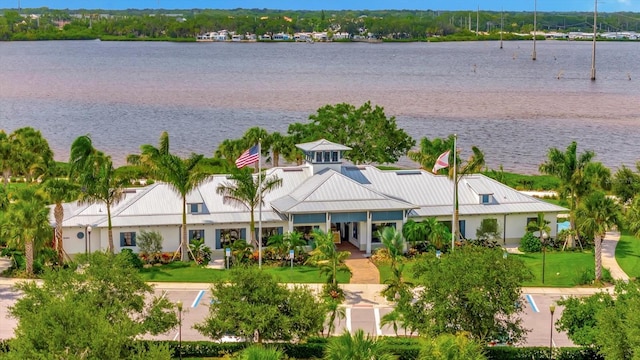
[
  {"x": 532, "y": 303},
  {"x": 196, "y": 301},
  {"x": 347, "y": 318},
  {"x": 376, "y": 315}
]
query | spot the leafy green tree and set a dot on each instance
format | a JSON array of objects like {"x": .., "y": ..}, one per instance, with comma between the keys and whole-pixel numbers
[
  {"x": 182, "y": 175},
  {"x": 367, "y": 130},
  {"x": 327, "y": 257},
  {"x": 580, "y": 317},
  {"x": 451, "y": 347},
  {"x": 598, "y": 215},
  {"x": 414, "y": 232},
  {"x": 27, "y": 223},
  {"x": 94, "y": 172},
  {"x": 59, "y": 191},
  {"x": 5, "y": 158},
  {"x": 96, "y": 313},
  {"x": 30, "y": 153},
  {"x": 474, "y": 290},
  {"x": 437, "y": 233},
  {"x": 578, "y": 175},
  {"x": 282, "y": 244},
  {"x": 253, "y": 306},
  {"x": 243, "y": 190},
  {"x": 488, "y": 232},
  {"x": 393, "y": 241},
  {"x": 626, "y": 183},
  {"x": 617, "y": 326},
  {"x": 356, "y": 347}
]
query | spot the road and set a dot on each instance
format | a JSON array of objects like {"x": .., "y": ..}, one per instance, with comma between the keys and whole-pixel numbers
[{"x": 360, "y": 314}]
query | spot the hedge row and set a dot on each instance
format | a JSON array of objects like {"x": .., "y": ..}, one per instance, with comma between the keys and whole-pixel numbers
[{"x": 404, "y": 348}]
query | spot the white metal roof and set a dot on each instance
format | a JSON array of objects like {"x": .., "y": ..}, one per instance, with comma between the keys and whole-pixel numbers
[{"x": 322, "y": 145}]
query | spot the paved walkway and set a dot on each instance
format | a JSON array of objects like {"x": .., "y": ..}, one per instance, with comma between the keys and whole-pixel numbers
[
  {"x": 609, "y": 256},
  {"x": 363, "y": 271}
]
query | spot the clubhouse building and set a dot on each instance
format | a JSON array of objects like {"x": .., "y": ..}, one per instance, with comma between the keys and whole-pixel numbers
[{"x": 351, "y": 201}]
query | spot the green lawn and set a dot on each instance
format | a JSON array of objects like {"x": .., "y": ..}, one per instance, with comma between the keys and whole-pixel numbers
[
  {"x": 628, "y": 255},
  {"x": 184, "y": 272},
  {"x": 562, "y": 269}
]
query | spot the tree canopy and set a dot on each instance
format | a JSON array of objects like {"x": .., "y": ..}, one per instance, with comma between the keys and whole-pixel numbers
[
  {"x": 254, "y": 306},
  {"x": 372, "y": 136},
  {"x": 473, "y": 289},
  {"x": 93, "y": 313}
]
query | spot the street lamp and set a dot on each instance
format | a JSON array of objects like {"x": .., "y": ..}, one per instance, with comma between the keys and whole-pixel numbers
[
  {"x": 89, "y": 238},
  {"x": 179, "y": 306},
  {"x": 552, "y": 309},
  {"x": 544, "y": 238}
]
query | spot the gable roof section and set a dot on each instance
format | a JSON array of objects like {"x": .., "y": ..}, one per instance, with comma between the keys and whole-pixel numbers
[
  {"x": 322, "y": 145},
  {"x": 330, "y": 191},
  {"x": 434, "y": 193}
]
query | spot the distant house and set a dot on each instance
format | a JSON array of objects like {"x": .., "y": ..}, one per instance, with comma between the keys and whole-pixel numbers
[{"x": 351, "y": 201}]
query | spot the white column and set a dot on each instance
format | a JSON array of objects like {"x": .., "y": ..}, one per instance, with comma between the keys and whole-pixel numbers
[
  {"x": 290, "y": 223},
  {"x": 328, "y": 223},
  {"x": 367, "y": 234}
]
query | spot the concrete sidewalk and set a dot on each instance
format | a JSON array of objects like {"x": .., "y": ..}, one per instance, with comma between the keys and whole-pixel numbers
[{"x": 609, "y": 256}]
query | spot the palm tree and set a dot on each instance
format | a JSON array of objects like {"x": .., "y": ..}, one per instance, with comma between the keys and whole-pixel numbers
[
  {"x": 5, "y": 157},
  {"x": 598, "y": 215},
  {"x": 30, "y": 153},
  {"x": 27, "y": 223},
  {"x": 335, "y": 311},
  {"x": 578, "y": 175},
  {"x": 415, "y": 232},
  {"x": 429, "y": 152},
  {"x": 97, "y": 177},
  {"x": 230, "y": 150},
  {"x": 540, "y": 225},
  {"x": 58, "y": 192},
  {"x": 328, "y": 258},
  {"x": 278, "y": 145},
  {"x": 254, "y": 135},
  {"x": 182, "y": 175},
  {"x": 356, "y": 347},
  {"x": 244, "y": 191},
  {"x": 633, "y": 216},
  {"x": 437, "y": 233}
]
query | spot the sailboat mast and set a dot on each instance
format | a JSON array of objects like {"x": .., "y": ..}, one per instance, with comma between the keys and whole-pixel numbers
[{"x": 593, "y": 52}]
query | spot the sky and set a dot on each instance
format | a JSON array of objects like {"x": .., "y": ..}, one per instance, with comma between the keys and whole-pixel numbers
[{"x": 495, "y": 5}]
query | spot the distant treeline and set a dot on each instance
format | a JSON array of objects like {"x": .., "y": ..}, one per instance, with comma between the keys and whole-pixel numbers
[{"x": 45, "y": 23}]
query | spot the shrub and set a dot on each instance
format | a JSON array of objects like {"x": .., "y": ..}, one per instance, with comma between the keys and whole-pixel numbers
[
  {"x": 530, "y": 243},
  {"x": 132, "y": 258},
  {"x": 150, "y": 245}
]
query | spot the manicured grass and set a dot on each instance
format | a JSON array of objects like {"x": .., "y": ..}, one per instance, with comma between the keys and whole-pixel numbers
[
  {"x": 562, "y": 269},
  {"x": 184, "y": 272},
  {"x": 628, "y": 254},
  {"x": 558, "y": 202}
]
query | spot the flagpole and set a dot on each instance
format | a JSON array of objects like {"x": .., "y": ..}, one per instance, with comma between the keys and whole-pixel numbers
[
  {"x": 454, "y": 222},
  {"x": 259, "y": 204}
]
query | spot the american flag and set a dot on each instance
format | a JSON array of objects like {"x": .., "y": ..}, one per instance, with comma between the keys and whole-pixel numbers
[{"x": 248, "y": 157}]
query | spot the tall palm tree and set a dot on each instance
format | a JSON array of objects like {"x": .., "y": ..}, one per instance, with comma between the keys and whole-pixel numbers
[
  {"x": 5, "y": 157},
  {"x": 598, "y": 215},
  {"x": 633, "y": 216},
  {"x": 430, "y": 150},
  {"x": 99, "y": 183},
  {"x": 393, "y": 241},
  {"x": 327, "y": 257},
  {"x": 414, "y": 232},
  {"x": 356, "y": 347},
  {"x": 437, "y": 233},
  {"x": 578, "y": 175},
  {"x": 243, "y": 190},
  {"x": 182, "y": 175},
  {"x": 230, "y": 150},
  {"x": 59, "y": 191},
  {"x": 27, "y": 223},
  {"x": 278, "y": 145},
  {"x": 334, "y": 311},
  {"x": 254, "y": 135}
]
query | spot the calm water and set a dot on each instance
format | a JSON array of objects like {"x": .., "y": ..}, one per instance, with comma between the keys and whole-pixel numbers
[{"x": 124, "y": 93}]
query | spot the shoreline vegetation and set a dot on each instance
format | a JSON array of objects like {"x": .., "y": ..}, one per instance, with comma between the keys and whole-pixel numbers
[{"x": 256, "y": 25}]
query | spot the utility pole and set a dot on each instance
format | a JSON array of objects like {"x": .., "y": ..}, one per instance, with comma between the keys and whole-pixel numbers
[
  {"x": 535, "y": 11},
  {"x": 501, "y": 25},
  {"x": 593, "y": 53}
]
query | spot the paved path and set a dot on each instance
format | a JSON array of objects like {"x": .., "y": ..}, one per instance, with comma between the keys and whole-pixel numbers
[{"x": 609, "y": 256}]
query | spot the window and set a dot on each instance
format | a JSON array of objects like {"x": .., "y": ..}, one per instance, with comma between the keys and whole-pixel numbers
[
  {"x": 485, "y": 198},
  {"x": 530, "y": 219},
  {"x": 127, "y": 239},
  {"x": 196, "y": 235},
  {"x": 195, "y": 208},
  {"x": 306, "y": 231},
  {"x": 229, "y": 236},
  {"x": 376, "y": 227},
  {"x": 319, "y": 157},
  {"x": 334, "y": 156},
  {"x": 268, "y": 232},
  {"x": 327, "y": 156}
]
